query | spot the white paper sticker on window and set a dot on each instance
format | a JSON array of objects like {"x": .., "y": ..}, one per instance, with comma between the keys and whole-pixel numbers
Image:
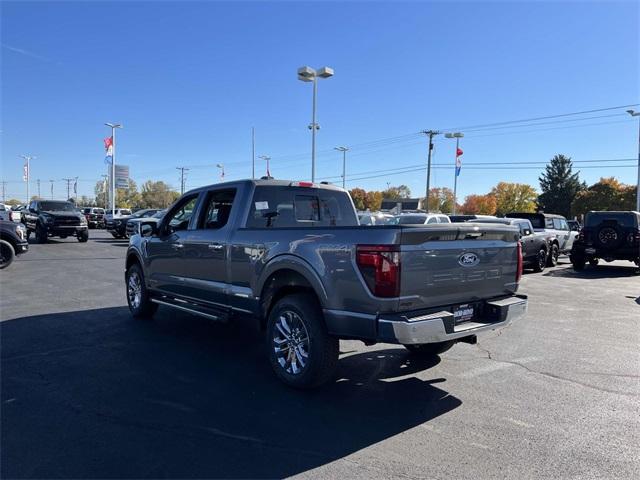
[{"x": 262, "y": 205}]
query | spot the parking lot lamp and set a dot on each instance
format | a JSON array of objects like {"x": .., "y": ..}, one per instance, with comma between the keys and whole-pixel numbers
[
  {"x": 221, "y": 167},
  {"x": 457, "y": 136},
  {"x": 113, "y": 127},
  {"x": 633, "y": 113},
  {"x": 308, "y": 74}
]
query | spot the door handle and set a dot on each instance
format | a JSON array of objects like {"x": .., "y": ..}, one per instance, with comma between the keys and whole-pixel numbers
[
  {"x": 215, "y": 246},
  {"x": 177, "y": 246}
]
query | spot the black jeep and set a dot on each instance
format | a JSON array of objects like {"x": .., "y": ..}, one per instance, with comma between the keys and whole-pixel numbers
[{"x": 608, "y": 236}]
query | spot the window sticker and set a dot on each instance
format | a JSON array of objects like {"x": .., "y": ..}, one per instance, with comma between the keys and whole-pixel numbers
[{"x": 262, "y": 205}]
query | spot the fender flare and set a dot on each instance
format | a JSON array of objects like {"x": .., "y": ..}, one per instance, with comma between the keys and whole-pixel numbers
[{"x": 298, "y": 265}]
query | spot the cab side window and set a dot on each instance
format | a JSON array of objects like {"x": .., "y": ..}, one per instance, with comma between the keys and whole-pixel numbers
[
  {"x": 433, "y": 220},
  {"x": 179, "y": 219},
  {"x": 218, "y": 208}
]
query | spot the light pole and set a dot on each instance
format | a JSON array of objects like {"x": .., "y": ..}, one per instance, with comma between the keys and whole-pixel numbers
[
  {"x": 113, "y": 127},
  {"x": 221, "y": 167},
  {"x": 308, "y": 74},
  {"x": 104, "y": 189},
  {"x": 266, "y": 158},
  {"x": 430, "y": 134},
  {"x": 457, "y": 136},
  {"x": 52, "y": 188},
  {"x": 27, "y": 172},
  {"x": 344, "y": 151},
  {"x": 633, "y": 113}
]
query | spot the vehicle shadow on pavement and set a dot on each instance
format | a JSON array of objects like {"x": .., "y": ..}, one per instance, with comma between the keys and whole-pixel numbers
[
  {"x": 589, "y": 272},
  {"x": 96, "y": 394}
]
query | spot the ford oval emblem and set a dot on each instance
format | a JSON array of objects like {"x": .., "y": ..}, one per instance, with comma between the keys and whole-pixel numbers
[{"x": 468, "y": 259}]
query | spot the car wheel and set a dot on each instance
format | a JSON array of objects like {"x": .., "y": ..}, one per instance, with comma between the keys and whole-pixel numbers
[
  {"x": 28, "y": 234},
  {"x": 114, "y": 235},
  {"x": 429, "y": 349},
  {"x": 541, "y": 261},
  {"x": 41, "y": 234},
  {"x": 7, "y": 254},
  {"x": 552, "y": 259},
  {"x": 138, "y": 299},
  {"x": 578, "y": 263},
  {"x": 594, "y": 262},
  {"x": 301, "y": 352},
  {"x": 83, "y": 236}
]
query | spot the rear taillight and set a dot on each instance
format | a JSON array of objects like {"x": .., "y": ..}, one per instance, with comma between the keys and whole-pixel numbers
[
  {"x": 380, "y": 267},
  {"x": 581, "y": 235},
  {"x": 520, "y": 266},
  {"x": 634, "y": 237}
]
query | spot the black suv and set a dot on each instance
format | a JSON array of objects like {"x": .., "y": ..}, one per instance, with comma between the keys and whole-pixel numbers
[
  {"x": 607, "y": 235},
  {"x": 50, "y": 218}
]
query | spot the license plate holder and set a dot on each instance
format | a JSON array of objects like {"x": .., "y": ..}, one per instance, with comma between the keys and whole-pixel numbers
[{"x": 463, "y": 313}]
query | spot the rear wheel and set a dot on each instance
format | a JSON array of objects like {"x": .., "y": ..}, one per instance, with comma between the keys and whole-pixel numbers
[
  {"x": 541, "y": 261},
  {"x": 429, "y": 349},
  {"x": 138, "y": 298},
  {"x": 7, "y": 254},
  {"x": 594, "y": 262},
  {"x": 301, "y": 351},
  {"x": 41, "y": 234},
  {"x": 554, "y": 253}
]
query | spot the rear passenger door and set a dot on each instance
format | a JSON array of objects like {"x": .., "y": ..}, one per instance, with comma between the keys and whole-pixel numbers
[
  {"x": 560, "y": 224},
  {"x": 206, "y": 248}
]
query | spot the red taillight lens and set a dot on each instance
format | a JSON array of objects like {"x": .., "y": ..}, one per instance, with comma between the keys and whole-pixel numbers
[
  {"x": 380, "y": 267},
  {"x": 520, "y": 266}
]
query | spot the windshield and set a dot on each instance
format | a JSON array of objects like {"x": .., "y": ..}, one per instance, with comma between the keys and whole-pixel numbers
[
  {"x": 159, "y": 214},
  {"x": 57, "y": 207}
]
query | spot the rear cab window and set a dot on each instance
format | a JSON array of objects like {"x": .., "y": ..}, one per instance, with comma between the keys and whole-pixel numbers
[
  {"x": 291, "y": 207},
  {"x": 624, "y": 219}
]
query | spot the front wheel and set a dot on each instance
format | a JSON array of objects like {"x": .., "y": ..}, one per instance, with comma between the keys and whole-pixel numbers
[
  {"x": 83, "y": 236},
  {"x": 301, "y": 352},
  {"x": 541, "y": 261},
  {"x": 138, "y": 298},
  {"x": 7, "y": 254},
  {"x": 554, "y": 253},
  {"x": 578, "y": 263},
  {"x": 41, "y": 234},
  {"x": 594, "y": 262},
  {"x": 429, "y": 349}
]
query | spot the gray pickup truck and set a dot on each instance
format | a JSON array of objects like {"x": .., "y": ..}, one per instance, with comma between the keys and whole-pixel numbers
[{"x": 292, "y": 256}]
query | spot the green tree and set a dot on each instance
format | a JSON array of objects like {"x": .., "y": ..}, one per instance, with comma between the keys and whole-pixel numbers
[
  {"x": 373, "y": 200},
  {"x": 358, "y": 195},
  {"x": 102, "y": 197},
  {"x": 128, "y": 197},
  {"x": 559, "y": 186},
  {"x": 441, "y": 200},
  {"x": 514, "y": 197},
  {"x": 397, "y": 193},
  {"x": 157, "y": 195},
  {"x": 606, "y": 194},
  {"x": 13, "y": 202}
]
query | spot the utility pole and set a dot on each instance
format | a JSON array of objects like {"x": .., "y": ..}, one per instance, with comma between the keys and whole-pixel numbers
[
  {"x": 68, "y": 180},
  {"x": 253, "y": 152},
  {"x": 633, "y": 113},
  {"x": 105, "y": 189},
  {"x": 51, "y": 188},
  {"x": 344, "y": 151},
  {"x": 431, "y": 134},
  {"x": 4, "y": 186},
  {"x": 38, "y": 182},
  {"x": 27, "y": 172},
  {"x": 182, "y": 170}
]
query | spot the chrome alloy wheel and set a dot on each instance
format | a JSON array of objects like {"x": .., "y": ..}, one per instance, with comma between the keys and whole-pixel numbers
[
  {"x": 291, "y": 342},
  {"x": 134, "y": 290}
]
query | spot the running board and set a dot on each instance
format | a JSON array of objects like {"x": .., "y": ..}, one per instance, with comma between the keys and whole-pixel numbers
[{"x": 210, "y": 316}]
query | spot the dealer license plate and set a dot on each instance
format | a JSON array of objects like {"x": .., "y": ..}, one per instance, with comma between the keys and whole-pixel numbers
[{"x": 463, "y": 313}]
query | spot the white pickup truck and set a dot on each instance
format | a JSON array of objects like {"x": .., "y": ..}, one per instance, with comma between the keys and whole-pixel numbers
[{"x": 9, "y": 215}]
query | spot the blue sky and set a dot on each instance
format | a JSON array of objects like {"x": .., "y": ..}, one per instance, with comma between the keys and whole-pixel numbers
[{"x": 189, "y": 80}]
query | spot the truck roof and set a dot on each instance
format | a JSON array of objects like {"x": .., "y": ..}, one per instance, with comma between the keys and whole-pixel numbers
[{"x": 270, "y": 183}]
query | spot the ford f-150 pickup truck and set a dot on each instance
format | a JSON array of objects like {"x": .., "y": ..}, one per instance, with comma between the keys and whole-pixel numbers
[{"x": 292, "y": 255}]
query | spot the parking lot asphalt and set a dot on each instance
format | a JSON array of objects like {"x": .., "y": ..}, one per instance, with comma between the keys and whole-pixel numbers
[{"x": 88, "y": 392}]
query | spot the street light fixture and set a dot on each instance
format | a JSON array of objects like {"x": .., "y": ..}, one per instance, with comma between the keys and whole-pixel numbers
[
  {"x": 267, "y": 158},
  {"x": 113, "y": 127},
  {"x": 457, "y": 136},
  {"x": 221, "y": 167},
  {"x": 308, "y": 74},
  {"x": 633, "y": 113},
  {"x": 344, "y": 151}
]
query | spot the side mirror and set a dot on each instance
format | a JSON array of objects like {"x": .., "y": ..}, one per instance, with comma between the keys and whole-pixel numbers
[
  {"x": 147, "y": 230},
  {"x": 527, "y": 232}
]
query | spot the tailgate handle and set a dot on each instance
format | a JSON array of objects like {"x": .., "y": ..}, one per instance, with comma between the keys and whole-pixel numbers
[{"x": 473, "y": 234}]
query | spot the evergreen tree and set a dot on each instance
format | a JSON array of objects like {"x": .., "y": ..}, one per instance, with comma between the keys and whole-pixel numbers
[{"x": 559, "y": 186}]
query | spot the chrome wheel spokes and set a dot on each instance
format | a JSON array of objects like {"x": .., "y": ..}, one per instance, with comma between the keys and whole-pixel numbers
[
  {"x": 134, "y": 290},
  {"x": 291, "y": 342}
]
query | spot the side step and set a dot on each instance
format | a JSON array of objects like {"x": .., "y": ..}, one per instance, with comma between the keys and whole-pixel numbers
[{"x": 194, "y": 308}]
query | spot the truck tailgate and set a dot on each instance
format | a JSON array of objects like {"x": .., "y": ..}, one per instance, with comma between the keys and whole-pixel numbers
[{"x": 447, "y": 264}]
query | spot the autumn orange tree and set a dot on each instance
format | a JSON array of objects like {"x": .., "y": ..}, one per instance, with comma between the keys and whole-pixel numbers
[
  {"x": 514, "y": 197},
  {"x": 479, "y": 205},
  {"x": 607, "y": 194}
]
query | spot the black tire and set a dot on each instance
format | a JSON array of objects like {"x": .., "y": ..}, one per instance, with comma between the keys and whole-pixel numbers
[
  {"x": 594, "y": 262},
  {"x": 41, "y": 234},
  {"x": 144, "y": 308},
  {"x": 7, "y": 254},
  {"x": 28, "y": 234},
  {"x": 552, "y": 258},
  {"x": 578, "y": 262},
  {"x": 429, "y": 349},
  {"x": 115, "y": 235},
  {"x": 83, "y": 236},
  {"x": 541, "y": 261},
  {"x": 322, "y": 350}
]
